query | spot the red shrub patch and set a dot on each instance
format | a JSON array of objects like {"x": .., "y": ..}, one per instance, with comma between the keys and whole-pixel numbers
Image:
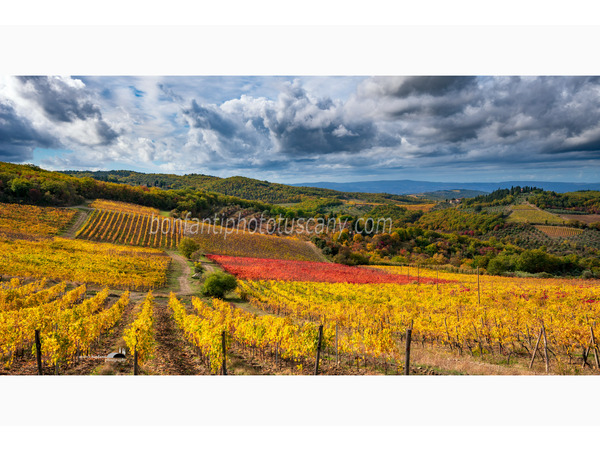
[{"x": 285, "y": 270}]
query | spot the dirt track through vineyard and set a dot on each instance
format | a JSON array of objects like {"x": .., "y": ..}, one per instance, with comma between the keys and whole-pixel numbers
[
  {"x": 185, "y": 288},
  {"x": 81, "y": 218},
  {"x": 172, "y": 355}
]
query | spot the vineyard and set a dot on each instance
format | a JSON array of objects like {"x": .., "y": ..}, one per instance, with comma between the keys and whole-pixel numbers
[
  {"x": 559, "y": 231},
  {"x": 486, "y": 281},
  {"x": 585, "y": 218},
  {"x": 539, "y": 324},
  {"x": 364, "y": 314},
  {"x": 504, "y": 321},
  {"x": 85, "y": 262},
  {"x": 35, "y": 220},
  {"x": 124, "y": 207},
  {"x": 207, "y": 327},
  {"x": 129, "y": 228},
  {"x": 215, "y": 240},
  {"x": 277, "y": 269},
  {"x": 60, "y": 325},
  {"x": 139, "y": 336},
  {"x": 529, "y": 214}
]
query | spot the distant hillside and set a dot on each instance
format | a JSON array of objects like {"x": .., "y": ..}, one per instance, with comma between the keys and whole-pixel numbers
[
  {"x": 242, "y": 187},
  {"x": 404, "y": 187},
  {"x": 574, "y": 202},
  {"x": 447, "y": 195}
]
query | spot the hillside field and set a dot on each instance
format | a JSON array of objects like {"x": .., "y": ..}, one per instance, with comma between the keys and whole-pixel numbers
[{"x": 530, "y": 214}]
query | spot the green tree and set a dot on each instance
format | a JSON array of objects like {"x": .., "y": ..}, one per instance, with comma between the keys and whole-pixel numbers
[
  {"x": 499, "y": 265},
  {"x": 187, "y": 246},
  {"x": 218, "y": 284},
  {"x": 535, "y": 261}
]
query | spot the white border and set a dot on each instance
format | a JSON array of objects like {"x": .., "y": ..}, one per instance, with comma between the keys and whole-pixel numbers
[{"x": 277, "y": 50}]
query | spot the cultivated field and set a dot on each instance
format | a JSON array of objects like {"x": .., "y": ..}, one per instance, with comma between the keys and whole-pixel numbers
[
  {"x": 131, "y": 228},
  {"x": 530, "y": 214},
  {"x": 425, "y": 207},
  {"x": 499, "y": 323},
  {"x": 585, "y": 218},
  {"x": 277, "y": 269},
  {"x": 559, "y": 231},
  {"x": 124, "y": 207},
  {"x": 67, "y": 324},
  {"x": 33, "y": 220},
  {"x": 84, "y": 262},
  {"x": 215, "y": 240}
]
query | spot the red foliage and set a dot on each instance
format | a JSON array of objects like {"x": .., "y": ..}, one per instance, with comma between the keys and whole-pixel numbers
[{"x": 285, "y": 270}]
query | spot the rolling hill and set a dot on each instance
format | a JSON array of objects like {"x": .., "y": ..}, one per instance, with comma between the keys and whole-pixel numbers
[{"x": 405, "y": 187}]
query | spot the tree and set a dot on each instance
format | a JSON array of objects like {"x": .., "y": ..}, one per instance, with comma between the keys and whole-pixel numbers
[
  {"x": 535, "y": 261},
  {"x": 187, "y": 246},
  {"x": 500, "y": 264},
  {"x": 218, "y": 284}
]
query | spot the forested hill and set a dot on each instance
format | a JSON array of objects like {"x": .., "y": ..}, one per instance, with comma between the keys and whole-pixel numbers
[
  {"x": 246, "y": 188},
  {"x": 25, "y": 183}
]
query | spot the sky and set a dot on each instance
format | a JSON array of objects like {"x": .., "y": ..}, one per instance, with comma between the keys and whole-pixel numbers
[{"x": 308, "y": 129}]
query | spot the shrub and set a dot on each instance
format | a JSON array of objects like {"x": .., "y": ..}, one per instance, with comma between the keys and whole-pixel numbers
[
  {"x": 534, "y": 261},
  {"x": 219, "y": 284},
  {"x": 587, "y": 274},
  {"x": 197, "y": 255},
  {"x": 187, "y": 246},
  {"x": 499, "y": 265}
]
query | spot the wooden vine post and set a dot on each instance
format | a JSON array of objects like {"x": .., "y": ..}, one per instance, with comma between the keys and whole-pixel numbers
[
  {"x": 337, "y": 352},
  {"x": 224, "y": 348},
  {"x": 546, "y": 349},
  {"x": 136, "y": 369},
  {"x": 594, "y": 347},
  {"x": 38, "y": 351},
  {"x": 537, "y": 343},
  {"x": 318, "y": 349},
  {"x": 407, "y": 350}
]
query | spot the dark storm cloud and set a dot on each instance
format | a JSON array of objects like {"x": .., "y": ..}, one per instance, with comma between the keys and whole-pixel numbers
[
  {"x": 302, "y": 125},
  {"x": 589, "y": 147},
  {"x": 209, "y": 119},
  {"x": 295, "y": 126},
  {"x": 298, "y": 140},
  {"x": 18, "y": 137},
  {"x": 434, "y": 86},
  {"x": 61, "y": 102},
  {"x": 489, "y": 117}
]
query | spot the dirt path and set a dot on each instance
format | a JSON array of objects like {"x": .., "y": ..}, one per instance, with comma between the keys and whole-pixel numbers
[
  {"x": 185, "y": 287},
  {"x": 72, "y": 230},
  {"x": 172, "y": 355},
  {"x": 210, "y": 267}
]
